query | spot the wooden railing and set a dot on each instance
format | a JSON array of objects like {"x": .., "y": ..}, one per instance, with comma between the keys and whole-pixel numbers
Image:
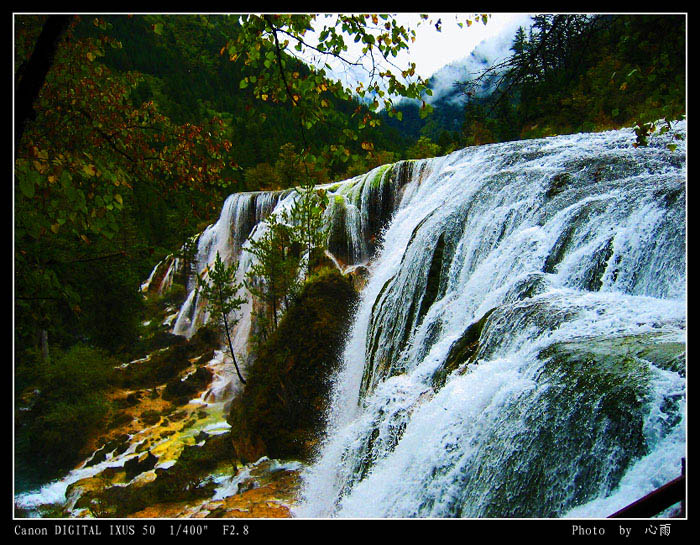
[{"x": 658, "y": 500}]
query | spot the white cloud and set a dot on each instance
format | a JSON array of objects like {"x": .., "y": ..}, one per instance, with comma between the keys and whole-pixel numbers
[
  {"x": 433, "y": 50},
  {"x": 448, "y": 55},
  {"x": 490, "y": 50}
]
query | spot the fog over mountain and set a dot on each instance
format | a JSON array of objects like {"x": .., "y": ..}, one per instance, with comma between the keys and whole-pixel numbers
[{"x": 486, "y": 54}]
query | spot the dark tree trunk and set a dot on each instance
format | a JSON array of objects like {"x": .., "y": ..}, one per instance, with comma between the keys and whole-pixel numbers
[
  {"x": 230, "y": 345},
  {"x": 44, "y": 339},
  {"x": 31, "y": 76}
]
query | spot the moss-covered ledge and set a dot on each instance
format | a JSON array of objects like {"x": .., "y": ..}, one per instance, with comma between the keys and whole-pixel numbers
[{"x": 282, "y": 409}]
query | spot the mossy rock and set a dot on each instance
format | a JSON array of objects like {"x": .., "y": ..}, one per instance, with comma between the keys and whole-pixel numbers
[
  {"x": 463, "y": 350},
  {"x": 150, "y": 417},
  {"x": 133, "y": 399},
  {"x": 167, "y": 364},
  {"x": 139, "y": 464},
  {"x": 281, "y": 410},
  {"x": 118, "y": 445},
  {"x": 181, "y": 391},
  {"x": 119, "y": 419},
  {"x": 206, "y": 337},
  {"x": 160, "y": 339},
  {"x": 186, "y": 480},
  {"x": 558, "y": 184}
]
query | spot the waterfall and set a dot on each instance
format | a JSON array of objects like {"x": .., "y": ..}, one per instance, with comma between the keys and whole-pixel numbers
[
  {"x": 519, "y": 348},
  {"x": 359, "y": 209}
]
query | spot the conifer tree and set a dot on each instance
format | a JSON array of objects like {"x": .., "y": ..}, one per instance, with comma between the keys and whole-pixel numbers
[
  {"x": 308, "y": 220},
  {"x": 273, "y": 277},
  {"x": 221, "y": 294}
]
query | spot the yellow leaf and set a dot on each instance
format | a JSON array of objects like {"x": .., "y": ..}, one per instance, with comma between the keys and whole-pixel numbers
[
  {"x": 118, "y": 198},
  {"x": 55, "y": 227}
]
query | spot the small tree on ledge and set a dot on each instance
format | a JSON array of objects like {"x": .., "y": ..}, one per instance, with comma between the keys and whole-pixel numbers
[
  {"x": 310, "y": 224},
  {"x": 221, "y": 294}
]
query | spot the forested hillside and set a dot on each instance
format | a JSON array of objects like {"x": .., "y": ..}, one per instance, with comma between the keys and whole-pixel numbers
[
  {"x": 567, "y": 74},
  {"x": 142, "y": 129}
]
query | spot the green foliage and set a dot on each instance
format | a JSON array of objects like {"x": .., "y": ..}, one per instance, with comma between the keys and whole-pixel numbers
[
  {"x": 306, "y": 215},
  {"x": 273, "y": 277},
  {"x": 70, "y": 407},
  {"x": 262, "y": 176},
  {"x": 574, "y": 73},
  {"x": 220, "y": 291},
  {"x": 131, "y": 148},
  {"x": 79, "y": 370},
  {"x": 281, "y": 410},
  {"x": 300, "y": 231},
  {"x": 273, "y": 44},
  {"x": 289, "y": 166},
  {"x": 168, "y": 361},
  {"x": 363, "y": 164},
  {"x": 101, "y": 178},
  {"x": 423, "y": 149},
  {"x": 181, "y": 391}
]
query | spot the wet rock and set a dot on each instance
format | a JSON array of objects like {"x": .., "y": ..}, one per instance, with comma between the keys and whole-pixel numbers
[
  {"x": 138, "y": 465},
  {"x": 359, "y": 275},
  {"x": 463, "y": 350},
  {"x": 181, "y": 391}
]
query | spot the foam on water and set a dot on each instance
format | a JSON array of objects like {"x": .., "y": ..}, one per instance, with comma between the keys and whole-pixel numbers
[{"x": 564, "y": 246}]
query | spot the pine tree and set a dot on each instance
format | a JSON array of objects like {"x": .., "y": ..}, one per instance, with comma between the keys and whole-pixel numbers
[
  {"x": 308, "y": 220},
  {"x": 221, "y": 294},
  {"x": 273, "y": 277}
]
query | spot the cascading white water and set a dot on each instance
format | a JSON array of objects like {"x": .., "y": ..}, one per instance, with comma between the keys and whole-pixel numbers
[
  {"x": 241, "y": 213},
  {"x": 519, "y": 349},
  {"x": 360, "y": 206}
]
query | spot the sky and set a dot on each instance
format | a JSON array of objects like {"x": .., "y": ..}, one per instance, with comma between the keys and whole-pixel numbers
[{"x": 432, "y": 51}]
